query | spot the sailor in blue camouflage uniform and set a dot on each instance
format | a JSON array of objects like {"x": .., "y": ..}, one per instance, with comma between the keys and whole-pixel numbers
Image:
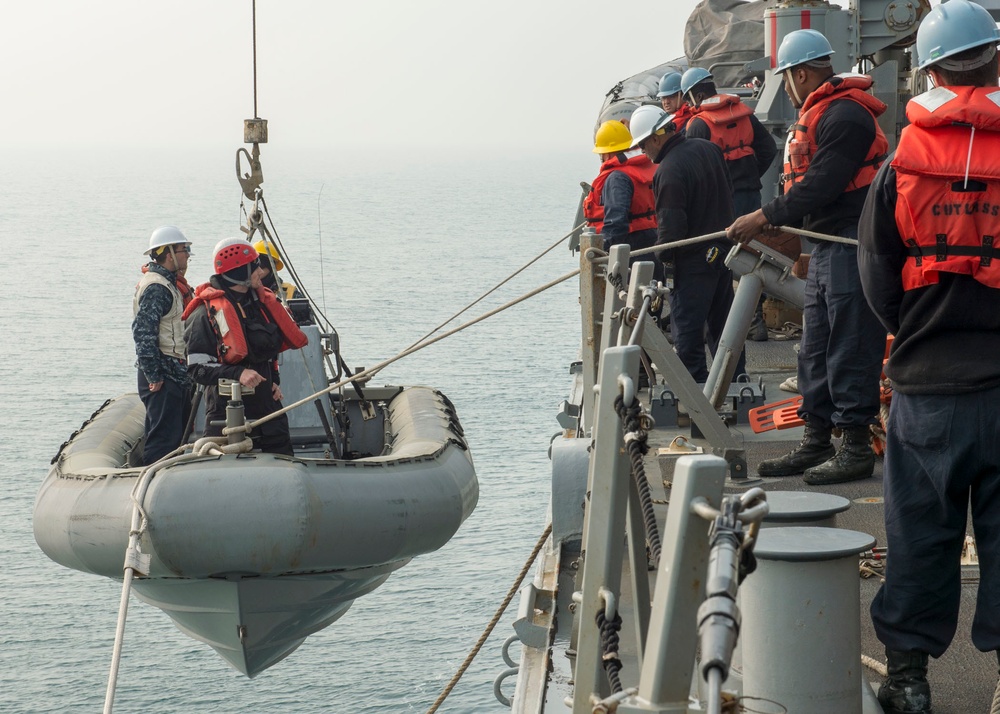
[{"x": 158, "y": 332}]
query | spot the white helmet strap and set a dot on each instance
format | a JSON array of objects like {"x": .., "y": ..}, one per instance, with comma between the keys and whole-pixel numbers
[{"x": 790, "y": 83}]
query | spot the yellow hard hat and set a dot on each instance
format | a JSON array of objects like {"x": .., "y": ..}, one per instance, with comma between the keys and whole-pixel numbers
[
  {"x": 264, "y": 248},
  {"x": 612, "y": 136}
]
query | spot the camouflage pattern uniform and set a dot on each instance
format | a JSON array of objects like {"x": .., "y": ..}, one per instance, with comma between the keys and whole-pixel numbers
[{"x": 166, "y": 409}]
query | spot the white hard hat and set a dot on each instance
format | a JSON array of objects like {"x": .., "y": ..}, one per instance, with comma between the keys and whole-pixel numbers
[
  {"x": 166, "y": 235},
  {"x": 646, "y": 120}
]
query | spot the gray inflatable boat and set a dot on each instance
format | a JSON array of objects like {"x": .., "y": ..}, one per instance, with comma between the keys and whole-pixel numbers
[{"x": 253, "y": 552}]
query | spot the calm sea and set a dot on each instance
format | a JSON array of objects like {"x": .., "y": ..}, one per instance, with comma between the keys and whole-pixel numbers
[{"x": 392, "y": 248}]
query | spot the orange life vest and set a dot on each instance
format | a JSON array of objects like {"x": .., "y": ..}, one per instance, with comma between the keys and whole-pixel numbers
[
  {"x": 642, "y": 211},
  {"x": 728, "y": 122},
  {"x": 226, "y": 322},
  {"x": 682, "y": 116},
  {"x": 185, "y": 289},
  {"x": 801, "y": 144},
  {"x": 948, "y": 185}
]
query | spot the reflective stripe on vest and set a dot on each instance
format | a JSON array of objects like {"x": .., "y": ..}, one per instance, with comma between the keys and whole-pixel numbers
[{"x": 229, "y": 329}]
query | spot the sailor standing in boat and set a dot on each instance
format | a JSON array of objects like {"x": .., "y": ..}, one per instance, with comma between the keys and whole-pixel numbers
[
  {"x": 159, "y": 343},
  {"x": 931, "y": 271},
  {"x": 234, "y": 329},
  {"x": 831, "y": 156},
  {"x": 620, "y": 204},
  {"x": 694, "y": 196}
]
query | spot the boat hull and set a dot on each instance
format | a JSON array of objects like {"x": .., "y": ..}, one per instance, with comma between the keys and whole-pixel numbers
[{"x": 253, "y": 552}]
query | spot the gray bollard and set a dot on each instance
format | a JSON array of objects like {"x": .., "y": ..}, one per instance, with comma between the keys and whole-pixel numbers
[
  {"x": 803, "y": 508},
  {"x": 801, "y": 631}
]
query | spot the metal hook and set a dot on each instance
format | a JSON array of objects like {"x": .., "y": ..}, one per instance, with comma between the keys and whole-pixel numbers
[{"x": 250, "y": 182}]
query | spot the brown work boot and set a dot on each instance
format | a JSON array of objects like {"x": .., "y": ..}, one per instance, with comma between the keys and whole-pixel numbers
[
  {"x": 854, "y": 461},
  {"x": 814, "y": 449}
]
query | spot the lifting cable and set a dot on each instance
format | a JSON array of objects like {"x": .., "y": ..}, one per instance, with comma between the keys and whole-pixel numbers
[{"x": 493, "y": 623}]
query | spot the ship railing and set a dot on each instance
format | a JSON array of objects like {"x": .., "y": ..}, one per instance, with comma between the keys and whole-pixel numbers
[{"x": 689, "y": 559}]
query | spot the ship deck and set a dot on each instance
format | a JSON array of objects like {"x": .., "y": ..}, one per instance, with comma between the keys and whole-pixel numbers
[{"x": 962, "y": 681}]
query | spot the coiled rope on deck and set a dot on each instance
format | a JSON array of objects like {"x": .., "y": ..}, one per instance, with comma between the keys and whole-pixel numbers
[{"x": 493, "y": 622}]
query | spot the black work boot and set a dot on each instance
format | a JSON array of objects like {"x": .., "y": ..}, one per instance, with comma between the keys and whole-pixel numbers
[
  {"x": 854, "y": 461},
  {"x": 905, "y": 690},
  {"x": 758, "y": 328},
  {"x": 814, "y": 449}
]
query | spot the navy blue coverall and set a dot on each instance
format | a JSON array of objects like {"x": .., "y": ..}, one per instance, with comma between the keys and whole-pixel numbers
[
  {"x": 843, "y": 343},
  {"x": 943, "y": 440},
  {"x": 694, "y": 197}
]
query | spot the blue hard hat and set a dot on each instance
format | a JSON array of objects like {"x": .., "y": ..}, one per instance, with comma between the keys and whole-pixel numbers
[
  {"x": 954, "y": 27},
  {"x": 692, "y": 77},
  {"x": 801, "y": 46},
  {"x": 670, "y": 84}
]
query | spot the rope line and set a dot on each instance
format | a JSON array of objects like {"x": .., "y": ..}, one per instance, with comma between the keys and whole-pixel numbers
[
  {"x": 637, "y": 445},
  {"x": 371, "y": 370},
  {"x": 493, "y": 622},
  {"x": 595, "y": 258},
  {"x": 609, "y": 645},
  {"x": 874, "y": 665},
  {"x": 502, "y": 282}
]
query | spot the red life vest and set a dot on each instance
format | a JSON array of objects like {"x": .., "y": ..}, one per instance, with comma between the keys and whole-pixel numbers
[
  {"x": 226, "y": 322},
  {"x": 801, "y": 144},
  {"x": 682, "y": 116},
  {"x": 948, "y": 185},
  {"x": 642, "y": 211},
  {"x": 728, "y": 122}
]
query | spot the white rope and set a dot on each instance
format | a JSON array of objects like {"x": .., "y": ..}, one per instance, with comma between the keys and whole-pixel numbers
[
  {"x": 139, "y": 523},
  {"x": 503, "y": 282},
  {"x": 818, "y": 236},
  {"x": 874, "y": 665},
  {"x": 968, "y": 158}
]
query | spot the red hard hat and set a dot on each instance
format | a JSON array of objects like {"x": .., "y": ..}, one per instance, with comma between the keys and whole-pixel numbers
[{"x": 232, "y": 253}]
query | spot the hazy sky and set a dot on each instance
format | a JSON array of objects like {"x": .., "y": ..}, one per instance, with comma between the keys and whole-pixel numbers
[{"x": 519, "y": 75}]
